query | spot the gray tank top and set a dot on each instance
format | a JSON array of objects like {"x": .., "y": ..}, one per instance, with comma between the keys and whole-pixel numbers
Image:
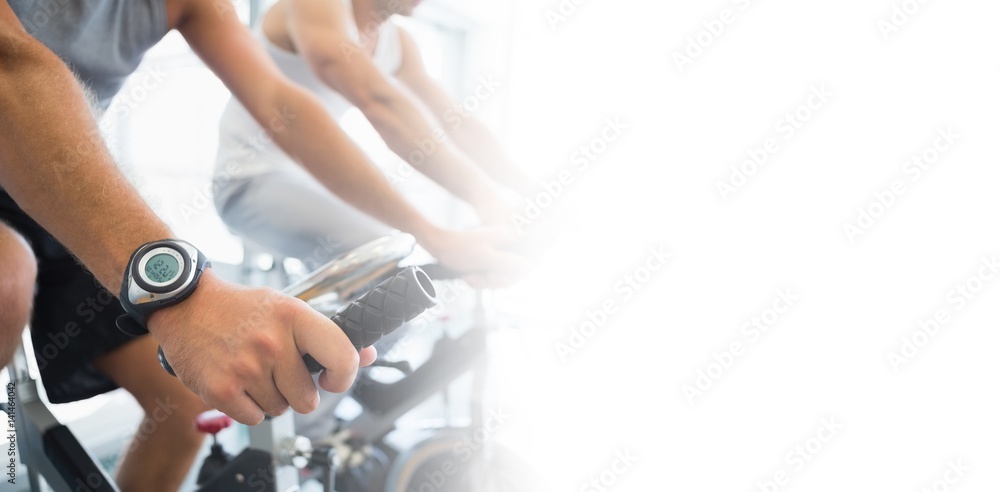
[{"x": 102, "y": 41}]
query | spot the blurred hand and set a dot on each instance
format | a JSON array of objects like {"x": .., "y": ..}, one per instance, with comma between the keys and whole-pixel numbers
[
  {"x": 484, "y": 255},
  {"x": 541, "y": 224},
  {"x": 496, "y": 213},
  {"x": 241, "y": 349},
  {"x": 525, "y": 233}
]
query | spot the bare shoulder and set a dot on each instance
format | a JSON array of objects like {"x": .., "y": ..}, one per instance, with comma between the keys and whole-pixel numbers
[
  {"x": 316, "y": 26},
  {"x": 411, "y": 65}
]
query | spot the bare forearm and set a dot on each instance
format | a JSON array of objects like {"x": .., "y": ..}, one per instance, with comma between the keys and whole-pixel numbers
[
  {"x": 307, "y": 133},
  {"x": 408, "y": 131},
  {"x": 53, "y": 162}
]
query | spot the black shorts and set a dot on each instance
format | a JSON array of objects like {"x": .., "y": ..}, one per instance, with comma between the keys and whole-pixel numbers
[{"x": 73, "y": 318}]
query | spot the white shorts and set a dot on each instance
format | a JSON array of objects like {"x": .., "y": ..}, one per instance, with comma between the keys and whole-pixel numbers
[{"x": 290, "y": 214}]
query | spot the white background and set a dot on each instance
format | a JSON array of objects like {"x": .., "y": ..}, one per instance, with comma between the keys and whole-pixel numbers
[
  {"x": 656, "y": 186},
  {"x": 827, "y": 356}
]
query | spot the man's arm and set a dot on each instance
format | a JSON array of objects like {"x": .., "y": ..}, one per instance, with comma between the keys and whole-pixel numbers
[
  {"x": 300, "y": 125},
  {"x": 55, "y": 166},
  {"x": 318, "y": 29},
  {"x": 467, "y": 131},
  {"x": 292, "y": 116}
]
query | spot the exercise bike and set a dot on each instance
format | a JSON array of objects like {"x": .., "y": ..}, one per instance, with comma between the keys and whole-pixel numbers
[
  {"x": 276, "y": 457},
  {"x": 359, "y": 457}
]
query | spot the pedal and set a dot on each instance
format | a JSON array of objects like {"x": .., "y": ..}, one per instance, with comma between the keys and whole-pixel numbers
[
  {"x": 325, "y": 458},
  {"x": 212, "y": 422}
]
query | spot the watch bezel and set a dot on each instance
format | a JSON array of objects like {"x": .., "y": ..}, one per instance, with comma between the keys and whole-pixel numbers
[{"x": 146, "y": 253}]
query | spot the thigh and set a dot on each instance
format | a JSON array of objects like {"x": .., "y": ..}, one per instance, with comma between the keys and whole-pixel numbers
[
  {"x": 291, "y": 214},
  {"x": 136, "y": 368},
  {"x": 17, "y": 261},
  {"x": 73, "y": 316},
  {"x": 18, "y": 271},
  {"x": 74, "y": 322}
]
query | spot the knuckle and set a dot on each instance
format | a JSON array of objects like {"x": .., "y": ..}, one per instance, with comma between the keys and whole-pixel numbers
[
  {"x": 245, "y": 370},
  {"x": 221, "y": 392},
  {"x": 342, "y": 379},
  {"x": 351, "y": 361},
  {"x": 347, "y": 363},
  {"x": 339, "y": 385},
  {"x": 276, "y": 410},
  {"x": 267, "y": 345},
  {"x": 287, "y": 309},
  {"x": 250, "y": 418},
  {"x": 308, "y": 404}
]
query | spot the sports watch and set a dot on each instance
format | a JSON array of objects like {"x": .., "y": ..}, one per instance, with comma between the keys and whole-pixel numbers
[{"x": 160, "y": 274}]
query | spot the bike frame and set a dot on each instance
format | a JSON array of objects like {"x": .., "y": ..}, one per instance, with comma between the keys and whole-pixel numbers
[
  {"x": 326, "y": 289},
  {"x": 275, "y": 453},
  {"x": 49, "y": 450},
  {"x": 46, "y": 447}
]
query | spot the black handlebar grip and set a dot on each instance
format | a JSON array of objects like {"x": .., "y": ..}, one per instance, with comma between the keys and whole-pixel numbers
[
  {"x": 380, "y": 311},
  {"x": 383, "y": 310}
]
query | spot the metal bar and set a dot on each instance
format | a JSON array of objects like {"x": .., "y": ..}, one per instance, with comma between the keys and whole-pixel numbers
[
  {"x": 343, "y": 277},
  {"x": 267, "y": 436},
  {"x": 47, "y": 448}
]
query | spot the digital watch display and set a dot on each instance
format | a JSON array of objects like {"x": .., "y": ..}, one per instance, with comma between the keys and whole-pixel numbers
[
  {"x": 160, "y": 274},
  {"x": 161, "y": 268}
]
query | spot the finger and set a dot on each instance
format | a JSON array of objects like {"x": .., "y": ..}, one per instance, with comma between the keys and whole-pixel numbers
[
  {"x": 225, "y": 395},
  {"x": 368, "y": 356},
  {"x": 268, "y": 398},
  {"x": 321, "y": 338},
  {"x": 338, "y": 382},
  {"x": 296, "y": 384},
  {"x": 238, "y": 406}
]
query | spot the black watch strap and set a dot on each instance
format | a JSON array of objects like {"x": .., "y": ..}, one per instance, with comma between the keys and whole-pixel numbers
[
  {"x": 130, "y": 326},
  {"x": 133, "y": 322}
]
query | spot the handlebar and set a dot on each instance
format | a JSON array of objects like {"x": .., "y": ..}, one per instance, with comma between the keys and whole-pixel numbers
[
  {"x": 346, "y": 275},
  {"x": 404, "y": 293},
  {"x": 384, "y": 309},
  {"x": 381, "y": 311}
]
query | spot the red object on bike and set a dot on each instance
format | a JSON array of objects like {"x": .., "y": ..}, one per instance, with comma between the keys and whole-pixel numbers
[{"x": 212, "y": 421}]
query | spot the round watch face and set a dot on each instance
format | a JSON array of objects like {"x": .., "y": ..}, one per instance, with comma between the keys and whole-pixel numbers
[{"x": 162, "y": 268}]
